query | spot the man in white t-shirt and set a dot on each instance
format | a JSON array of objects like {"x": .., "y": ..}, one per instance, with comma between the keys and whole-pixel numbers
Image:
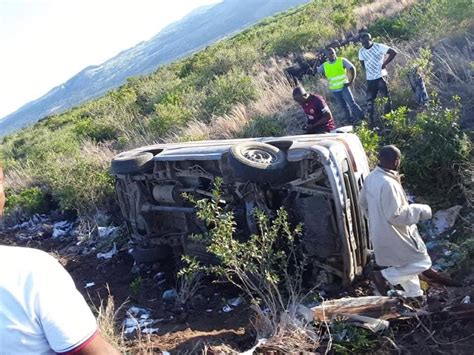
[
  {"x": 41, "y": 311},
  {"x": 374, "y": 58}
]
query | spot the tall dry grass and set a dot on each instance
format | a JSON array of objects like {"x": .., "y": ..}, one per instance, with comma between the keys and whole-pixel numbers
[
  {"x": 368, "y": 13},
  {"x": 274, "y": 99}
]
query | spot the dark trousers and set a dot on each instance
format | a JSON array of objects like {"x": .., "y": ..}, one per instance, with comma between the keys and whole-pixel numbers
[
  {"x": 375, "y": 87},
  {"x": 352, "y": 110}
]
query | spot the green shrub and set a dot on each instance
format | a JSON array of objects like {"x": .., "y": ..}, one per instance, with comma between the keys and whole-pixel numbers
[
  {"x": 370, "y": 141},
  {"x": 29, "y": 200},
  {"x": 267, "y": 267},
  {"x": 227, "y": 90},
  {"x": 96, "y": 130},
  {"x": 264, "y": 126},
  {"x": 78, "y": 184},
  {"x": 436, "y": 152}
]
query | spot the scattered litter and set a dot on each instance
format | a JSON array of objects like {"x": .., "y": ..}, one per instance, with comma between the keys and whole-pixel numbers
[
  {"x": 61, "y": 229},
  {"x": 235, "y": 302},
  {"x": 170, "y": 295},
  {"x": 106, "y": 232},
  {"x": 150, "y": 330},
  {"x": 444, "y": 254},
  {"x": 165, "y": 353},
  {"x": 445, "y": 219},
  {"x": 466, "y": 300},
  {"x": 227, "y": 309},
  {"x": 305, "y": 312},
  {"x": 373, "y": 324},
  {"x": 160, "y": 275},
  {"x": 89, "y": 284},
  {"x": 139, "y": 319},
  {"x": 260, "y": 342},
  {"x": 341, "y": 335},
  {"x": 109, "y": 254},
  {"x": 208, "y": 310}
]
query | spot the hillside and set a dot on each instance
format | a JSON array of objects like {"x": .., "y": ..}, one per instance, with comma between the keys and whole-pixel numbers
[
  {"x": 58, "y": 169},
  {"x": 202, "y": 27}
]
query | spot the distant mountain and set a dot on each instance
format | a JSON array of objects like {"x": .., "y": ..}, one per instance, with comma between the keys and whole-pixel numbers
[{"x": 200, "y": 28}]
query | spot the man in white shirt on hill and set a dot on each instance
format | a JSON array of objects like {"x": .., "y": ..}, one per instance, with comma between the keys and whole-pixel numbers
[{"x": 374, "y": 58}]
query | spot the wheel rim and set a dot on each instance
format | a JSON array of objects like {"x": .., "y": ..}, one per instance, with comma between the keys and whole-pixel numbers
[{"x": 258, "y": 155}]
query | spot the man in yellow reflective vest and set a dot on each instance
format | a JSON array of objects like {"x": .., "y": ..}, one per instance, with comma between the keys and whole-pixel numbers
[{"x": 335, "y": 69}]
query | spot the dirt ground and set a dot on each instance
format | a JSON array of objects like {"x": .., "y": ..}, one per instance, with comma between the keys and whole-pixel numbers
[
  {"x": 204, "y": 323},
  {"x": 180, "y": 331}
]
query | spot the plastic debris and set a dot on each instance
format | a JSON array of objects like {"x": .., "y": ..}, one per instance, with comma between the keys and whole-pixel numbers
[
  {"x": 169, "y": 295},
  {"x": 227, "y": 309},
  {"x": 235, "y": 302},
  {"x": 445, "y": 219},
  {"x": 89, "y": 284},
  {"x": 150, "y": 330},
  {"x": 208, "y": 310},
  {"x": 106, "y": 232},
  {"x": 444, "y": 254},
  {"x": 109, "y": 254},
  {"x": 61, "y": 229},
  {"x": 251, "y": 351},
  {"x": 139, "y": 319},
  {"x": 305, "y": 312},
  {"x": 373, "y": 324},
  {"x": 466, "y": 300}
]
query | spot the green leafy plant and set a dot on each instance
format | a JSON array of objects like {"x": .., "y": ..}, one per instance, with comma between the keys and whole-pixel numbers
[
  {"x": 136, "y": 285},
  {"x": 349, "y": 339},
  {"x": 30, "y": 201},
  {"x": 370, "y": 141},
  {"x": 267, "y": 267},
  {"x": 436, "y": 151}
]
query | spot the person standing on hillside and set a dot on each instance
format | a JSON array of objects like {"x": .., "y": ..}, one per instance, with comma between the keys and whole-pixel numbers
[
  {"x": 392, "y": 225},
  {"x": 374, "y": 58},
  {"x": 41, "y": 311},
  {"x": 319, "y": 117},
  {"x": 335, "y": 70}
]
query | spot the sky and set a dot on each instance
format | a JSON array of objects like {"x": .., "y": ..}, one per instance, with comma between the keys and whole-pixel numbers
[{"x": 43, "y": 43}]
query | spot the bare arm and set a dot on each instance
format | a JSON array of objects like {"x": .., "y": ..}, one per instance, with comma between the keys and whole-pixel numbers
[
  {"x": 362, "y": 63},
  {"x": 97, "y": 346},
  {"x": 322, "y": 122},
  {"x": 391, "y": 54},
  {"x": 352, "y": 76}
]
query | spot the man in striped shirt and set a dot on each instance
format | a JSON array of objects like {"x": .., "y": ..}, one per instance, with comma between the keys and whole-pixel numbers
[{"x": 374, "y": 58}]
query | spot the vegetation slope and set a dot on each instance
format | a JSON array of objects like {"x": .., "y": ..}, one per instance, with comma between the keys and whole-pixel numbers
[{"x": 236, "y": 88}]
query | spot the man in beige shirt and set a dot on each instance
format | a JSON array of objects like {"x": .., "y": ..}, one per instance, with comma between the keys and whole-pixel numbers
[{"x": 392, "y": 224}]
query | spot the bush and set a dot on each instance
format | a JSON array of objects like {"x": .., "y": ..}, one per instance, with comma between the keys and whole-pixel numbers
[
  {"x": 267, "y": 267},
  {"x": 227, "y": 90},
  {"x": 98, "y": 131},
  {"x": 78, "y": 184},
  {"x": 29, "y": 201},
  {"x": 264, "y": 126},
  {"x": 436, "y": 152},
  {"x": 370, "y": 141},
  {"x": 171, "y": 111}
]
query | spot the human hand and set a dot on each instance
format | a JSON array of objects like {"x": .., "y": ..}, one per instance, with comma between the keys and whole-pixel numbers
[{"x": 384, "y": 65}]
